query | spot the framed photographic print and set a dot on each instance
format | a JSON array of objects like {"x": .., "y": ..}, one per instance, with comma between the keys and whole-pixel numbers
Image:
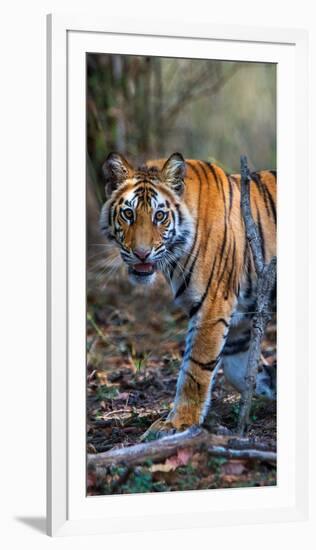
[{"x": 177, "y": 374}]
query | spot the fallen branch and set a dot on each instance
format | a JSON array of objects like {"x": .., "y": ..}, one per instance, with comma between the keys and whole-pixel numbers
[
  {"x": 266, "y": 281},
  {"x": 251, "y": 454},
  {"x": 163, "y": 448}
]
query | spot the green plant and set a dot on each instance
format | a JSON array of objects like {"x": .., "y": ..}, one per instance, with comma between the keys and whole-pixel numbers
[{"x": 106, "y": 392}]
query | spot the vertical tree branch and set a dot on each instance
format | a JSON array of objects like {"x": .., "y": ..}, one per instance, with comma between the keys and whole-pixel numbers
[
  {"x": 266, "y": 282},
  {"x": 252, "y": 232}
]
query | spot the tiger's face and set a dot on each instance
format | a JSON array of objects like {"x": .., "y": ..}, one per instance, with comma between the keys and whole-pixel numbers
[{"x": 145, "y": 215}]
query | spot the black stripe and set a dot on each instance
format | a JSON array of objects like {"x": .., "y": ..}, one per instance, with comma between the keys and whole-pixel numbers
[
  {"x": 198, "y": 209},
  {"x": 201, "y": 165},
  {"x": 181, "y": 239},
  {"x": 237, "y": 346},
  {"x": 236, "y": 350},
  {"x": 223, "y": 246},
  {"x": 206, "y": 366},
  {"x": 273, "y": 296},
  {"x": 188, "y": 373},
  {"x": 186, "y": 281},
  {"x": 273, "y": 172},
  {"x": 199, "y": 304},
  {"x": 211, "y": 167},
  {"x": 204, "y": 165},
  {"x": 139, "y": 190},
  {"x": 152, "y": 191},
  {"x": 195, "y": 171},
  {"x": 179, "y": 214},
  {"x": 145, "y": 185},
  {"x": 110, "y": 216},
  {"x": 255, "y": 176},
  {"x": 272, "y": 204},
  {"x": 224, "y": 196},
  {"x": 220, "y": 278},
  {"x": 172, "y": 267},
  {"x": 221, "y": 320},
  {"x": 231, "y": 192},
  {"x": 231, "y": 271}
]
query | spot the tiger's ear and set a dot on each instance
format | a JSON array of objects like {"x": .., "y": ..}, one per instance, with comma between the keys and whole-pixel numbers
[
  {"x": 116, "y": 170},
  {"x": 173, "y": 173}
]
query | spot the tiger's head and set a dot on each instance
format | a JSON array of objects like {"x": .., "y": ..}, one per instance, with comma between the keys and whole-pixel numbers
[{"x": 145, "y": 214}]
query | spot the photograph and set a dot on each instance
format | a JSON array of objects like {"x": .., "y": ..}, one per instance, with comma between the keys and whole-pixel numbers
[{"x": 181, "y": 327}]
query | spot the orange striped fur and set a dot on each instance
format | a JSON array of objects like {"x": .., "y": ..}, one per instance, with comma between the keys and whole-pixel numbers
[{"x": 184, "y": 219}]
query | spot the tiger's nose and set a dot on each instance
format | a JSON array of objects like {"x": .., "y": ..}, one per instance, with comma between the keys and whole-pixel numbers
[{"x": 142, "y": 253}]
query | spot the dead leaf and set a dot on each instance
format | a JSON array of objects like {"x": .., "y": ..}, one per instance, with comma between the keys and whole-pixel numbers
[
  {"x": 162, "y": 467},
  {"x": 230, "y": 479},
  {"x": 91, "y": 448},
  {"x": 182, "y": 458},
  {"x": 101, "y": 376}
]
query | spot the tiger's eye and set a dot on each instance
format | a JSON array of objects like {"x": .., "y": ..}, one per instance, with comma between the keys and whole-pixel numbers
[
  {"x": 159, "y": 216},
  {"x": 128, "y": 213}
]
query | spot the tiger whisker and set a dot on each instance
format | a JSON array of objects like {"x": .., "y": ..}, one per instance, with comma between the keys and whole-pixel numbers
[
  {"x": 109, "y": 266},
  {"x": 112, "y": 270}
]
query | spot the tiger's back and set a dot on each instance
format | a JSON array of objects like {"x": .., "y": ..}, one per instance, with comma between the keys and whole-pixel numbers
[
  {"x": 219, "y": 257},
  {"x": 222, "y": 261}
]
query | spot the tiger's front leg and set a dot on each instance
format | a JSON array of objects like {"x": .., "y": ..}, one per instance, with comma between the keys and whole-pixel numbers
[{"x": 208, "y": 329}]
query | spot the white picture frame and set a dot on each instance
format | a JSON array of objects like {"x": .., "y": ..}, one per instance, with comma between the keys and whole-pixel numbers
[{"x": 69, "y": 511}]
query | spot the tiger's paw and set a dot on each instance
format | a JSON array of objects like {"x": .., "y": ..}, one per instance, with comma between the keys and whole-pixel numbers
[
  {"x": 165, "y": 426},
  {"x": 160, "y": 428}
]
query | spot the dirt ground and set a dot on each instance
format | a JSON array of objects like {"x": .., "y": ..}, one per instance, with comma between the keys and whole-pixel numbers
[{"x": 135, "y": 340}]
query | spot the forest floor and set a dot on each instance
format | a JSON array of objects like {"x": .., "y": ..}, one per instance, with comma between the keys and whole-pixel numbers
[{"x": 135, "y": 341}]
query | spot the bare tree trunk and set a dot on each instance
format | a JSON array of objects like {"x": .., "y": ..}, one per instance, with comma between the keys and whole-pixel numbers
[
  {"x": 266, "y": 282},
  {"x": 120, "y": 135},
  {"x": 159, "y": 127}
]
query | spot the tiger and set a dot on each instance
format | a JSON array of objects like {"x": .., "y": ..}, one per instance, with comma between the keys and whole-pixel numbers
[{"x": 183, "y": 217}]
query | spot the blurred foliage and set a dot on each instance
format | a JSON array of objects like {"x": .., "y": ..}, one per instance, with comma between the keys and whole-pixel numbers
[{"x": 150, "y": 107}]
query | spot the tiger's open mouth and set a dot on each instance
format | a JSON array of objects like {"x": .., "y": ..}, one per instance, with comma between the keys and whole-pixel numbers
[{"x": 142, "y": 270}]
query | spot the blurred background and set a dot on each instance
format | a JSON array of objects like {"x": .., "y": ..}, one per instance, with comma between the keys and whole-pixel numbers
[
  {"x": 145, "y": 108},
  {"x": 150, "y": 107}
]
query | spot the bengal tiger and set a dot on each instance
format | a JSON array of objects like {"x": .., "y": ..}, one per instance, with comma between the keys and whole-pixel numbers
[{"x": 183, "y": 218}]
